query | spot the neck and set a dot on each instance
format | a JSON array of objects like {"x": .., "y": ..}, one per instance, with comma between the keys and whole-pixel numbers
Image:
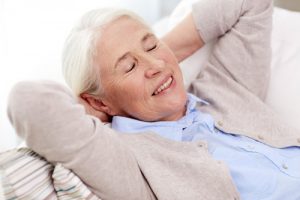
[{"x": 176, "y": 116}]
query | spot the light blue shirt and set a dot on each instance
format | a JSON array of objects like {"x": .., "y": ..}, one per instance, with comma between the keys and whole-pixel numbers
[{"x": 260, "y": 172}]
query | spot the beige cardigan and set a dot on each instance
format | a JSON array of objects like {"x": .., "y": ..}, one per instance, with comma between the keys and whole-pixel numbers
[{"x": 145, "y": 166}]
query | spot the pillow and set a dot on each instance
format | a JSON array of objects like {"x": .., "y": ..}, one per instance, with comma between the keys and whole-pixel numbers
[
  {"x": 68, "y": 186},
  {"x": 26, "y": 175},
  {"x": 284, "y": 90},
  {"x": 1, "y": 190}
]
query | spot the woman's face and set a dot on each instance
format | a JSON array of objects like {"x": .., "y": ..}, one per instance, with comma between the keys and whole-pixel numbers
[{"x": 140, "y": 75}]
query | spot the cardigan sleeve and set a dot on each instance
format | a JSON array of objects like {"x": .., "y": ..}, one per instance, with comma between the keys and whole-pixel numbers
[
  {"x": 55, "y": 126},
  {"x": 243, "y": 32},
  {"x": 214, "y": 18}
]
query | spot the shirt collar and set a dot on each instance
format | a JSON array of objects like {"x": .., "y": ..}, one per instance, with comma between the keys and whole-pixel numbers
[
  {"x": 129, "y": 125},
  {"x": 192, "y": 102}
]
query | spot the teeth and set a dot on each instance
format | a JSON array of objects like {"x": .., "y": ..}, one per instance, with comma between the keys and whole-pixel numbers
[{"x": 163, "y": 86}]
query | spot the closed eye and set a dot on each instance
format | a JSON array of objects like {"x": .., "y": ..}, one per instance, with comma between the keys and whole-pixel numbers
[
  {"x": 152, "y": 48},
  {"x": 131, "y": 68}
]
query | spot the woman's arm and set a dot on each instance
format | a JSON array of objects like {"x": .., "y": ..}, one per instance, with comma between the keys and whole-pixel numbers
[
  {"x": 243, "y": 31},
  {"x": 184, "y": 39},
  {"x": 216, "y": 18},
  {"x": 57, "y": 127}
]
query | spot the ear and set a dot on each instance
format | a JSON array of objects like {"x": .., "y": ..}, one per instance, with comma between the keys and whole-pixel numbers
[{"x": 96, "y": 103}]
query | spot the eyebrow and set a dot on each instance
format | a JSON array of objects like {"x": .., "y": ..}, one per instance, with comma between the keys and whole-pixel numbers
[
  {"x": 148, "y": 35},
  {"x": 145, "y": 37}
]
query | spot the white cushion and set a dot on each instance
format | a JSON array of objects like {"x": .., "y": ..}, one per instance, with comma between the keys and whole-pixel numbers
[{"x": 284, "y": 91}]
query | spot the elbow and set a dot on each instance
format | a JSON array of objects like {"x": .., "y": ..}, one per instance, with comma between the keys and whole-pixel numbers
[{"x": 16, "y": 106}]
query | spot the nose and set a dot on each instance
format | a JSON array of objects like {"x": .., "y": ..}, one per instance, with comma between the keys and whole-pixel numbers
[{"x": 153, "y": 67}]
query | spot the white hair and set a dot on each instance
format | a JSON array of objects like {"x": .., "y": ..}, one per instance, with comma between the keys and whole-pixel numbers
[{"x": 79, "y": 50}]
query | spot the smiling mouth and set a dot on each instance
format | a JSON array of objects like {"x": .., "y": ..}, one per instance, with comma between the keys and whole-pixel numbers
[{"x": 164, "y": 86}]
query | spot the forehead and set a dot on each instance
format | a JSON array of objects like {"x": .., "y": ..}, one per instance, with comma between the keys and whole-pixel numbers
[
  {"x": 124, "y": 31},
  {"x": 119, "y": 36},
  {"x": 125, "y": 23}
]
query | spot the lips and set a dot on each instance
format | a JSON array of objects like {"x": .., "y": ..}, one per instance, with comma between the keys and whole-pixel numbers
[{"x": 166, "y": 83}]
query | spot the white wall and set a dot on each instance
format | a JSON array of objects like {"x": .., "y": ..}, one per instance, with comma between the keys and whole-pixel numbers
[{"x": 32, "y": 33}]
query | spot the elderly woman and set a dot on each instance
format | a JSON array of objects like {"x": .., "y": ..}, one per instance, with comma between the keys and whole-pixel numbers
[{"x": 226, "y": 143}]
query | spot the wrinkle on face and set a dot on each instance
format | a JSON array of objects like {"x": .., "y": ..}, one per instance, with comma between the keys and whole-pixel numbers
[{"x": 129, "y": 93}]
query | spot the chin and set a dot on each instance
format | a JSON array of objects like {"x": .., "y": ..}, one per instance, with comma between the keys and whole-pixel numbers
[
  {"x": 176, "y": 108},
  {"x": 180, "y": 101}
]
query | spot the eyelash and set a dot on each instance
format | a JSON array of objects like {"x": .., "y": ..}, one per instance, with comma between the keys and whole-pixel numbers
[
  {"x": 131, "y": 68},
  {"x": 133, "y": 65},
  {"x": 152, "y": 48}
]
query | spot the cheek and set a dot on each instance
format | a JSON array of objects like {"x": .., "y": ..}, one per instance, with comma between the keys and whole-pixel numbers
[
  {"x": 129, "y": 91},
  {"x": 172, "y": 63},
  {"x": 167, "y": 55}
]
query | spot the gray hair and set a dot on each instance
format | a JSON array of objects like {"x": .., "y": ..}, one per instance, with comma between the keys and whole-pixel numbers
[{"x": 79, "y": 69}]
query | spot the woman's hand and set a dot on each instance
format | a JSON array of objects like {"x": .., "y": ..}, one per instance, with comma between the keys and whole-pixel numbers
[{"x": 91, "y": 111}]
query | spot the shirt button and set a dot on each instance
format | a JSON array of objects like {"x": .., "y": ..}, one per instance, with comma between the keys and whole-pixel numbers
[
  {"x": 260, "y": 137},
  {"x": 220, "y": 123},
  {"x": 284, "y": 166},
  {"x": 250, "y": 147},
  {"x": 202, "y": 144}
]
